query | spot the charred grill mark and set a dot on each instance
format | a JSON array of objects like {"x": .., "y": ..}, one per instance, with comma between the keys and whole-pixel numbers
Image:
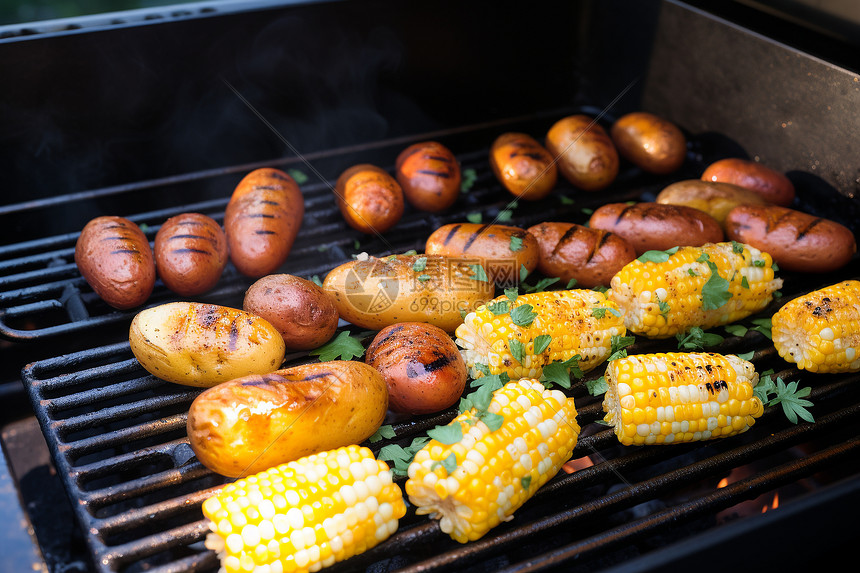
[
  {"x": 442, "y": 174},
  {"x": 267, "y": 187},
  {"x": 438, "y": 158},
  {"x": 595, "y": 248},
  {"x": 278, "y": 175},
  {"x": 270, "y": 202},
  {"x": 259, "y": 216},
  {"x": 451, "y": 234},
  {"x": 261, "y": 232},
  {"x": 201, "y": 237},
  {"x": 208, "y": 316},
  {"x": 565, "y": 238},
  {"x": 184, "y": 251},
  {"x": 623, "y": 212},
  {"x": 774, "y": 224},
  {"x": 474, "y": 237},
  {"x": 192, "y": 223},
  {"x": 234, "y": 334},
  {"x": 808, "y": 228},
  {"x": 388, "y": 335},
  {"x": 114, "y": 226},
  {"x": 118, "y": 251},
  {"x": 316, "y": 376}
]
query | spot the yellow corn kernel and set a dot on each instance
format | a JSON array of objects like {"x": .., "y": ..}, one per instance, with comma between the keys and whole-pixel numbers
[{"x": 677, "y": 287}]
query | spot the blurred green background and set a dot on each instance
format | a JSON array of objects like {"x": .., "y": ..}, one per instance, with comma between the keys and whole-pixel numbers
[{"x": 16, "y": 11}]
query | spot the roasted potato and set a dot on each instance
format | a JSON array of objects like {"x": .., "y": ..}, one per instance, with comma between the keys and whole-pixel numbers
[
  {"x": 586, "y": 155},
  {"x": 797, "y": 241},
  {"x": 652, "y": 143},
  {"x": 571, "y": 251},
  {"x": 301, "y": 311},
  {"x": 374, "y": 293},
  {"x": 370, "y": 199},
  {"x": 203, "y": 344},
  {"x": 256, "y": 422},
  {"x": 523, "y": 166},
  {"x": 421, "y": 364},
  {"x": 190, "y": 253},
  {"x": 501, "y": 249},
  {"x": 773, "y": 186},
  {"x": 654, "y": 226},
  {"x": 429, "y": 175},
  {"x": 114, "y": 257},
  {"x": 262, "y": 220},
  {"x": 715, "y": 199}
]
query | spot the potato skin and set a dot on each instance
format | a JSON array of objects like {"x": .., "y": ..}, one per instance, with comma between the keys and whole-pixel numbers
[
  {"x": 591, "y": 163},
  {"x": 652, "y": 143},
  {"x": 203, "y": 344},
  {"x": 797, "y": 241},
  {"x": 491, "y": 244},
  {"x": 715, "y": 199},
  {"x": 772, "y": 185},
  {"x": 370, "y": 199},
  {"x": 114, "y": 257},
  {"x": 190, "y": 253},
  {"x": 301, "y": 311},
  {"x": 422, "y": 366},
  {"x": 429, "y": 175},
  {"x": 654, "y": 226},
  {"x": 523, "y": 166},
  {"x": 375, "y": 293},
  {"x": 262, "y": 220},
  {"x": 253, "y": 423},
  {"x": 571, "y": 251}
]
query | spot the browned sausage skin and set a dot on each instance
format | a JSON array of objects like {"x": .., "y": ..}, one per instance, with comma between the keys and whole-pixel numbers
[
  {"x": 429, "y": 175},
  {"x": 655, "y": 226},
  {"x": 503, "y": 250},
  {"x": 797, "y": 241},
  {"x": 586, "y": 155},
  {"x": 262, "y": 220},
  {"x": 650, "y": 142},
  {"x": 114, "y": 257},
  {"x": 772, "y": 185},
  {"x": 523, "y": 166},
  {"x": 571, "y": 251},
  {"x": 370, "y": 199},
  {"x": 422, "y": 366},
  {"x": 190, "y": 253}
]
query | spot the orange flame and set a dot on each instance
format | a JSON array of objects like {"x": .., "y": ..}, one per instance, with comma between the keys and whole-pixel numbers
[
  {"x": 577, "y": 464},
  {"x": 723, "y": 483}
]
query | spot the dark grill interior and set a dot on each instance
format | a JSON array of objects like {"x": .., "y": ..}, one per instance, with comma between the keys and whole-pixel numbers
[{"x": 117, "y": 434}]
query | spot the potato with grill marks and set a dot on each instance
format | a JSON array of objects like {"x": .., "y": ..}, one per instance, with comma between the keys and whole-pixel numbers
[
  {"x": 586, "y": 155},
  {"x": 190, "y": 253},
  {"x": 589, "y": 256},
  {"x": 422, "y": 366},
  {"x": 523, "y": 166},
  {"x": 262, "y": 220},
  {"x": 114, "y": 257},
  {"x": 370, "y": 200},
  {"x": 429, "y": 175}
]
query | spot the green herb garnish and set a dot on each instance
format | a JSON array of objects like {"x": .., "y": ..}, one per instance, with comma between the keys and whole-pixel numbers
[{"x": 343, "y": 346}]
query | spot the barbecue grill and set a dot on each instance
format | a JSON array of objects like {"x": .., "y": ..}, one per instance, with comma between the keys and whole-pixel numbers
[{"x": 164, "y": 111}]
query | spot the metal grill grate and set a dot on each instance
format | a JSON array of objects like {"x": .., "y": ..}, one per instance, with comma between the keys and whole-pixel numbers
[{"x": 117, "y": 434}]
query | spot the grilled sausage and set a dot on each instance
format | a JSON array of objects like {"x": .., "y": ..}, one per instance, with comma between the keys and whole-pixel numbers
[
  {"x": 571, "y": 251},
  {"x": 429, "y": 175},
  {"x": 501, "y": 249},
  {"x": 797, "y": 241},
  {"x": 262, "y": 220},
  {"x": 114, "y": 257},
  {"x": 190, "y": 253},
  {"x": 772, "y": 185},
  {"x": 422, "y": 366},
  {"x": 253, "y": 423},
  {"x": 370, "y": 199},
  {"x": 303, "y": 313},
  {"x": 715, "y": 199},
  {"x": 586, "y": 155},
  {"x": 523, "y": 166},
  {"x": 650, "y": 142},
  {"x": 654, "y": 226}
]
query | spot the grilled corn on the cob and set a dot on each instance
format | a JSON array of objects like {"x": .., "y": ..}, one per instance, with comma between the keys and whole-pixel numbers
[
  {"x": 680, "y": 397},
  {"x": 496, "y": 471},
  {"x": 707, "y": 286},
  {"x": 502, "y": 334},
  {"x": 820, "y": 331},
  {"x": 306, "y": 514}
]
